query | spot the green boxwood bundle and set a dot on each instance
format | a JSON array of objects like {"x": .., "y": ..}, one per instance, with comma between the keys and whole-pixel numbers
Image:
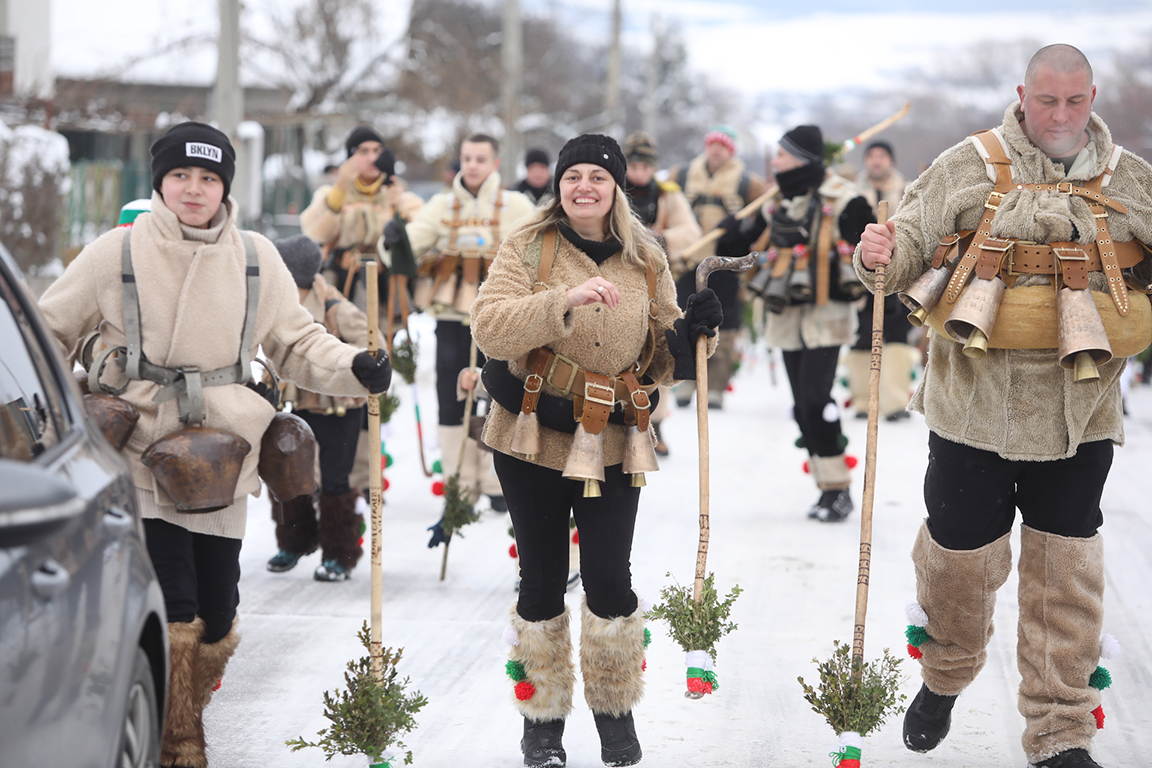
[
  {"x": 696, "y": 628},
  {"x": 404, "y": 356}
]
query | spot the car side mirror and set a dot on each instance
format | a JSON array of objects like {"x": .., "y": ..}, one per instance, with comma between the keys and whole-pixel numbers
[{"x": 34, "y": 503}]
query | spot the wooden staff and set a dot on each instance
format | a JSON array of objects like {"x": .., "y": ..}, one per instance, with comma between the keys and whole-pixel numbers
[
  {"x": 463, "y": 446},
  {"x": 707, "y": 267},
  {"x": 374, "y": 484},
  {"x": 870, "y": 453}
]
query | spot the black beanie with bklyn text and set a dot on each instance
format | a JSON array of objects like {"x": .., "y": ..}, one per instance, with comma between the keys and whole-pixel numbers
[{"x": 194, "y": 145}]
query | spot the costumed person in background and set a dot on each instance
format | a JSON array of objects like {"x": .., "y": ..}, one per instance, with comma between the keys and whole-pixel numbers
[
  {"x": 717, "y": 184},
  {"x": 815, "y": 222},
  {"x": 881, "y": 181},
  {"x": 455, "y": 238},
  {"x": 335, "y": 422},
  {"x": 661, "y": 207},
  {"x": 181, "y": 301},
  {"x": 579, "y": 304},
  {"x": 537, "y": 182},
  {"x": 1013, "y": 429},
  {"x": 347, "y": 219}
]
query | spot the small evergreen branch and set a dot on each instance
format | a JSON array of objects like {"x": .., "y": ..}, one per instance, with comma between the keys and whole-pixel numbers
[
  {"x": 368, "y": 717},
  {"x": 404, "y": 356},
  {"x": 695, "y": 626},
  {"x": 855, "y": 696},
  {"x": 459, "y": 510},
  {"x": 388, "y": 405}
]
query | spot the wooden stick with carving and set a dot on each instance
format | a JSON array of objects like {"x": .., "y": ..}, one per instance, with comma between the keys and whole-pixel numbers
[
  {"x": 374, "y": 479},
  {"x": 864, "y": 571}
]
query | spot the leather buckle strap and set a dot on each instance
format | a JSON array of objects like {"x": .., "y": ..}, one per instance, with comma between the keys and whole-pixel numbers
[
  {"x": 993, "y": 252},
  {"x": 592, "y": 392},
  {"x": 593, "y": 406},
  {"x": 559, "y": 361},
  {"x": 637, "y": 409},
  {"x": 1073, "y": 265},
  {"x": 946, "y": 244}
]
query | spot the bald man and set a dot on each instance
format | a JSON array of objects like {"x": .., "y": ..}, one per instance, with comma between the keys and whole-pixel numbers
[{"x": 1013, "y": 429}]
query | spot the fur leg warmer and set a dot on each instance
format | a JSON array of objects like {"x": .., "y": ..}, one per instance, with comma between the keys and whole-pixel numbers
[
  {"x": 541, "y": 664},
  {"x": 957, "y": 589},
  {"x": 339, "y": 529},
  {"x": 213, "y": 659},
  {"x": 183, "y": 742},
  {"x": 295, "y": 525},
  {"x": 1058, "y": 646},
  {"x": 612, "y": 661},
  {"x": 831, "y": 473}
]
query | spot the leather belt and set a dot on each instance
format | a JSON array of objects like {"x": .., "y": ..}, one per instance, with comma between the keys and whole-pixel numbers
[
  {"x": 594, "y": 395},
  {"x": 1040, "y": 259}
]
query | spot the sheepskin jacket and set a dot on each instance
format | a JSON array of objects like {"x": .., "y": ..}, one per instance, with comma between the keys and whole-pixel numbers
[
  {"x": 706, "y": 190},
  {"x": 1018, "y": 403},
  {"x": 345, "y": 321},
  {"x": 808, "y": 326},
  {"x": 676, "y": 224},
  {"x": 192, "y": 303},
  {"x": 362, "y": 215},
  {"x": 508, "y": 321},
  {"x": 891, "y": 190},
  {"x": 429, "y": 232}
]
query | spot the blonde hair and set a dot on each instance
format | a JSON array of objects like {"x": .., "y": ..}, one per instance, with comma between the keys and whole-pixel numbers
[{"x": 640, "y": 248}]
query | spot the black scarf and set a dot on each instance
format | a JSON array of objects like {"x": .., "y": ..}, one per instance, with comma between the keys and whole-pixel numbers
[
  {"x": 645, "y": 201},
  {"x": 597, "y": 250},
  {"x": 800, "y": 181}
]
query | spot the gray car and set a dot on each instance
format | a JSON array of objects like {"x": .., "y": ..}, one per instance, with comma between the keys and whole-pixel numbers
[{"x": 83, "y": 640}]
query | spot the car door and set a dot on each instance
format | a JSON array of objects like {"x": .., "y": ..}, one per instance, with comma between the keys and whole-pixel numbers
[{"x": 61, "y": 593}]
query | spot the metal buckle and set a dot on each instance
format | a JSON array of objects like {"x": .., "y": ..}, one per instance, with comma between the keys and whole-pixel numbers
[
  {"x": 1083, "y": 256},
  {"x": 1064, "y": 187},
  {"x": 589, "y": 386},
  {"x": 999, "y": 198},
  {"x": 528, "y": 381},
  {"x": 647, "y": 402},
  {"x": 556, "y": 358}
]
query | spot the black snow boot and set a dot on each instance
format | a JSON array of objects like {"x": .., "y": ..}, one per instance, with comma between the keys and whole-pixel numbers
[
  {"x": 927, "y": 720},
  {"x": 618, "y": 742},
  {"x": 832, "y": 506},
  {"x": 1071, "y": 758},
  {"x": 541, "y": 743}
]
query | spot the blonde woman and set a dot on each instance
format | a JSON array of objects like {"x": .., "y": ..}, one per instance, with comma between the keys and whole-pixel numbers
[{"x": 581, "y": 291}]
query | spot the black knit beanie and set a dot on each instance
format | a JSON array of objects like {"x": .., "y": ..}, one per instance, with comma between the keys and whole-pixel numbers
[
  {"x": 881, "y": 144},
  {"x": 591, "y": 148},
  {"x": 358, "y": 137},
  {"x": 534, "y": 156},
  {"x": 302, "y": 256},
  {"x": 804, "y": 142},
  {"x": 194, "y": 145}
]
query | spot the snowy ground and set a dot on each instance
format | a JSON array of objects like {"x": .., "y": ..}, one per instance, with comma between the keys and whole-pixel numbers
[{"x": 799, "y": 577}]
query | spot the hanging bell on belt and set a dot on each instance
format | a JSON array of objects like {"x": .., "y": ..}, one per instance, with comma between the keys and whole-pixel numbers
[
  {"x": 639, "y": 454},
  {"x": 526, "y": 436},
  {"x": 586, "y": 460},
  {"x": 198, "y": 467},
  {"x": 115, "y": 416},
  {"x": 849, "y": 281},
  {"x": 288, "y": 457},
  {"x": 1082, "y": 341},
  {"x": 974, "y": 316},
  {"x": 924, "y": 294}
]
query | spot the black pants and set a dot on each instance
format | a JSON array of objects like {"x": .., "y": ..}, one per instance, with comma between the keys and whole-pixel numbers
[
  {"x": 540, "y": 502},
  {"x": 972, "y": 495},
  {"x": 453, "y": 346},
  {"x": 198, "y": 575},
  {"x": 811, "y": 373},
  {"x": 336, "y": 438}
]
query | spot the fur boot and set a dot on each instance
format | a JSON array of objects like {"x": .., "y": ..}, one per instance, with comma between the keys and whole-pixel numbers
[
  {"x": 544, "y": 650},
  {"x": 295, "y": 525},
  {"x": 476, "y": 475},
  {"x": 183, "y": 742},
  {"x": 957, "y": 589},
  {"x": 1058, "y": 647},
  {"x": 340, "y": 529},
  {"x": 612, "y": 661},
  {"x": 213, "y": 659}
]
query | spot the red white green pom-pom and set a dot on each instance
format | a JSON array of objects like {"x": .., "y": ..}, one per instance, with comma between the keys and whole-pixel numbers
[
  {"x": 515, "y": 670},
  {"x": 1100, "y": 679},
  {"x": 512, "y": 553},
  {"x": 1109, "y": 647},
  {"x": 848, "y": 755},
  {"x": 915, "y": 652},
  {"x": 915, "y": 632},
  {"x": 916, "y": 614},
  {"x": 525, "y": 690},
  {"x": 647, "y": 637},
  {"x": 511, "y": 636},
  {"x": 701, "y": 678},
  {"x": 386, "y": 759},
  {"x": 917, "y": 636},
  {"x": 1099, "y": 715}
]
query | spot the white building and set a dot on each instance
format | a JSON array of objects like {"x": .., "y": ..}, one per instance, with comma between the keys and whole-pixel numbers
[{"x": 26, "y": 48}]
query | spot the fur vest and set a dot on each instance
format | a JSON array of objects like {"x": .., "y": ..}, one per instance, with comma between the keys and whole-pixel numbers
[
  {"x": 714, "y": 196},
  {"x": 1018, "y": 403},
  {"x": 192, "y": 304},
  {"x": 361, "y": 218}
]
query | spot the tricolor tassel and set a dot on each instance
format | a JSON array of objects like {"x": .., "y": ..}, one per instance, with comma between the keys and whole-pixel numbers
[
  {"x": 386, "y": 758},
  {"x": 848, "y": 755},
  {"x": 701, "y": 679},
  {"x": 1109, "y": 647},
  {"x": 915, "y": 632},
  {"x": 511, "y": 636}
]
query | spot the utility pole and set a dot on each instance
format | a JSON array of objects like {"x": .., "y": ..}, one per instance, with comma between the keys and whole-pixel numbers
[
  {"x": 612, "y": 117},
  {"x": 512, "y": 63},
  {"x": 227, "y": 97},
  {"x": 652, "y": 82}
]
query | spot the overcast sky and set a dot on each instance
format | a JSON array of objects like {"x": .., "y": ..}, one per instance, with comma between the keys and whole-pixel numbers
[{"x": 753, "y": 46}]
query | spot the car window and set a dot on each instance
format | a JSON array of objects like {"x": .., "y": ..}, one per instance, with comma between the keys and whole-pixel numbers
[{"x": 29, "y": 422}]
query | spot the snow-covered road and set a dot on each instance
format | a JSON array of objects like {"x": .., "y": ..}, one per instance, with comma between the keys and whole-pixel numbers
[{"x": 799, "y": 578}]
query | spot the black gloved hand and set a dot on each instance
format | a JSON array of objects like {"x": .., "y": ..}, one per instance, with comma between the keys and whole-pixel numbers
[
  {"x": 393, "y": 232},
  {"x": 786, "y": 231},
  {"x": 265, "y": 391},
  {"x": 438, "y": 535},
  {"x": 740, "y": 234},
  {"x": 703, "y": 315},
  {"x": 375, "y": 373}
]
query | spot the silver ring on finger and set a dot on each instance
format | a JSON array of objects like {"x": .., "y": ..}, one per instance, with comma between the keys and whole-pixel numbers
[{"x": 600, "y": 290}]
